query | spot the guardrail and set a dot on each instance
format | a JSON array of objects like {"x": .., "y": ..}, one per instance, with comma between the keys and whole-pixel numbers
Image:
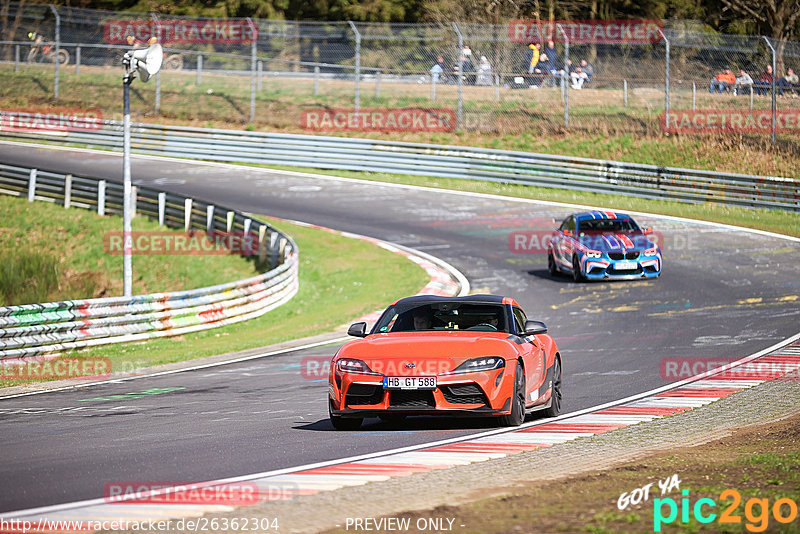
[
  {"x": 528, "y": 168},
  {"x": 34, "y": 329}
]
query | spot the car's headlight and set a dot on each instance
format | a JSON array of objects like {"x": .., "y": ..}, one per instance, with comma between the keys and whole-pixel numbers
[
  {"x": 593, "y": 254},
  {"x": 350, "y": 365},
  {"x": 651, "y": 251},
  {"x": 487, "y": 363}
]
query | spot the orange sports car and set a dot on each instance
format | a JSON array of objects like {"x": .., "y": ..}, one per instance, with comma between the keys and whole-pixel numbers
[{"x": 457, "y": 356}]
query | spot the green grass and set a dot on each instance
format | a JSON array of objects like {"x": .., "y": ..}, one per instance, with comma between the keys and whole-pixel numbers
[
  {"x": 599, "y": 126},
  {"x": 340, "y": 279},
  {"x": 52, "y": 254},
  {"x": 779, "y": 221}
]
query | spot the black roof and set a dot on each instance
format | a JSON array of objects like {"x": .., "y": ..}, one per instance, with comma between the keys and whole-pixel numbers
[{"x": 420, "y": 300}]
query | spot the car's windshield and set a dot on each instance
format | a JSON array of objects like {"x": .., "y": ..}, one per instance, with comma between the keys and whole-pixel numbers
[
  {"x": 444, "y": 316},
  {"x": 607, "y": 225}
]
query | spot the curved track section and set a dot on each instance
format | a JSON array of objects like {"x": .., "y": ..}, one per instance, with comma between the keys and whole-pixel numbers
[{"x": 724, "y": 294}]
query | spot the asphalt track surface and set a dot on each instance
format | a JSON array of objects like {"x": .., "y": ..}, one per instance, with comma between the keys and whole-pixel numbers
[{"x": 724, "y": 294}]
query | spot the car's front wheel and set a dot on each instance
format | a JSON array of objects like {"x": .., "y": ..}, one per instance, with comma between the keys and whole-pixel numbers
[
  {"x": 344, "y": 423},
  {"x": 577, "y": 275},
  {"x": 551, "y": 264},
  {"x": 517, "y": 415}
]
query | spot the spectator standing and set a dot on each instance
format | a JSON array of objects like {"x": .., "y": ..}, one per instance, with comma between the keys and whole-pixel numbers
[
  {"x": 744, "y": 84},
  {"x": 787, "y": 82},
  {"x": 484, "y": 72},
  {"x": 722, "y": 81},
  {"x": 532, "y": 57},
  {"x": 764, "y": 82},
  {"x": 553, "y": 65},
  {"x": 437, "y": 69}
]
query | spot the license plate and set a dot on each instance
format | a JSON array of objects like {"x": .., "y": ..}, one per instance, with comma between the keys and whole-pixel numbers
[
  {"x": 409, "y": 382},
  {"x": 625, "y": 266}
]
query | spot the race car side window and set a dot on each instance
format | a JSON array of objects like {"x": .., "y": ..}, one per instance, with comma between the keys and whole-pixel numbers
[
  {"x": 568, "y": 224},
  {"x": 519, "y": 320}
]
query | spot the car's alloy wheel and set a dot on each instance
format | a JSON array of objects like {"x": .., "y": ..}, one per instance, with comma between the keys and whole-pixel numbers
[
  {"x": 577, "y": 275},
  {"x": 555, "y": 394},
  {"x": 344, "y": 423},
  {"x": 517, "y": 415}
]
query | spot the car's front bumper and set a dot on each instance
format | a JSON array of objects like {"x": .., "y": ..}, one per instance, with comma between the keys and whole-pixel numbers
[{"x": 605, "y": 268}]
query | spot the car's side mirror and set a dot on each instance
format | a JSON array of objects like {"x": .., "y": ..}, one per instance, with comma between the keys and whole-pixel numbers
[
  {"x": 648, "y": 230},
  {"x": 568, "y": 233},
  {"x": 535, "y": 327},
  {"x": 357, "y": 330}
]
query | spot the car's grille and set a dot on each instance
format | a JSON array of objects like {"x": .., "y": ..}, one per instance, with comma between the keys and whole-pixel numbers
[
  {"x": 631, "y": 255},
  {"x": 412, "y": 399},
  {"x": 464, "y": 394},
  {"x": 616, "y": 255},
  {"x": 364, "y": 394}
]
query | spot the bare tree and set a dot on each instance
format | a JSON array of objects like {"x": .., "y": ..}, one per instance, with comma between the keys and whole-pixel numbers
[{"x": 775, "y": 18}]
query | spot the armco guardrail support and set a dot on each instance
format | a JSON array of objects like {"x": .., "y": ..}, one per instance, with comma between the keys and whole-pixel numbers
[
  {"x": 210, "y": 218},
  {"x": 101, "y": 197},
  {"x": 58, "y": 50},
  {"x": 358, "y": 66},
  {"x": 67, "y": 190},
  {"x": 460, "y": 74},
  {"x": 772, "y": 90},
  {"x": 187, "y": 214},
  {"x": 32, "y": 185},
  {"x": 162, "y": 208}
]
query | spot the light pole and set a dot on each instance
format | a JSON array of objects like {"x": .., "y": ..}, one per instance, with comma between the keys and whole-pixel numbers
[{"x": 144, "y": 62}]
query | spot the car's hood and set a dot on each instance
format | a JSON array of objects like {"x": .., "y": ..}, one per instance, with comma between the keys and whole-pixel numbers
[
  {"x": 615, "y": 242},
  {"x": 425, "y": 353}
]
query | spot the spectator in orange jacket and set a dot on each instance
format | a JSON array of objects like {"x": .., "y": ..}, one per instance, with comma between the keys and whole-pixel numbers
[{"x": 722, "y": 81}]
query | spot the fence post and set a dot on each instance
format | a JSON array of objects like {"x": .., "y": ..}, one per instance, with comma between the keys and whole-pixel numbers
[
  {"x": 67, "y": 191},
  {"x": 209, "y": 218},
  {"x": 77, "y": 60},
  {"x": 162, "y": 208},
  {"x": 187, "y": 214},
  {"x": 133, "y": 201},
  {"x": 262, "y": 245},
  {"x": 625, "y": 92},
  {"x": 31, "y": 185},
  {"x": 316, "y": 80},
  {"x": 260, "y": 70},
  {"x": 199, "y": 69},
  {"x": 433, "y": 88},
  {"x": 101, "y": 197},
  {"x": 16, "y": 58},
  {"x": 774, "y": 75},
  {"x": 751, "y": 97},
  {"x": 694, "y": 95},
  {"x": 157, "y": 33},
  {"x": 666, "y": 77},
  {"x": 565, "y": 75},
  {"x": 58, "y": 49},
  {"x": 378, "y": 84},
  {"x": 358, "y": 65},
  {"x": 460, "y": 112},
  {"x": 246, "y": 228},
  {"x": 497, "y": 88},
  {"x": 229, "y": 220},
  {"x": 253, "y": 74}
]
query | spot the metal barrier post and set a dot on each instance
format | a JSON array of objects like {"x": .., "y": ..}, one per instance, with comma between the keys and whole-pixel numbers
[
  {"x": 157, "y": 33},
  {"x": 187, "y": 214},
  {"x": 378, "y": 84},
  {"x": 253, "y": 74},
  {"x": 497, "y": 88},
  {"x": 32, "y": 185},
  {"x": 77, "y": 60},
  {"x": 774, "y": 75},
  {"x": 666, "y": 77},
  {"x": 625, "y": 92},
  {"x": 433, "y": 88},
  {"x": 16, "y": 58},
  {"x": 358, "y": 65},
  {"x": 101, "y": 197},
  {"x": 694, "y": 95},
  {"x": 199, "y": 69},
  {"x": 460, "y": 112},
  {"x": 210, "y": 218},
  {"x": 67, "y": 191},
  {"x": 260, "y": 70},
  {"x": 58, "y": 49},
  {"x": 133, "y": 201},
  {"x": 162, "y": 208},
  {"x": 565, "y": 75},
  {"x": 316, "y": 80}
]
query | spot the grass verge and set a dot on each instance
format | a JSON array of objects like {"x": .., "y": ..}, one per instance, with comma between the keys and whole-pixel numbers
[
  {"x": 52, "y": 254},
  {"x": 340, "y": 278},
  {"x": 759, "y": 463}
]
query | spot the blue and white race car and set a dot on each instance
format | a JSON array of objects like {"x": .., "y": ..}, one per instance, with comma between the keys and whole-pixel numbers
[{"x": 603, "y": 245}]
